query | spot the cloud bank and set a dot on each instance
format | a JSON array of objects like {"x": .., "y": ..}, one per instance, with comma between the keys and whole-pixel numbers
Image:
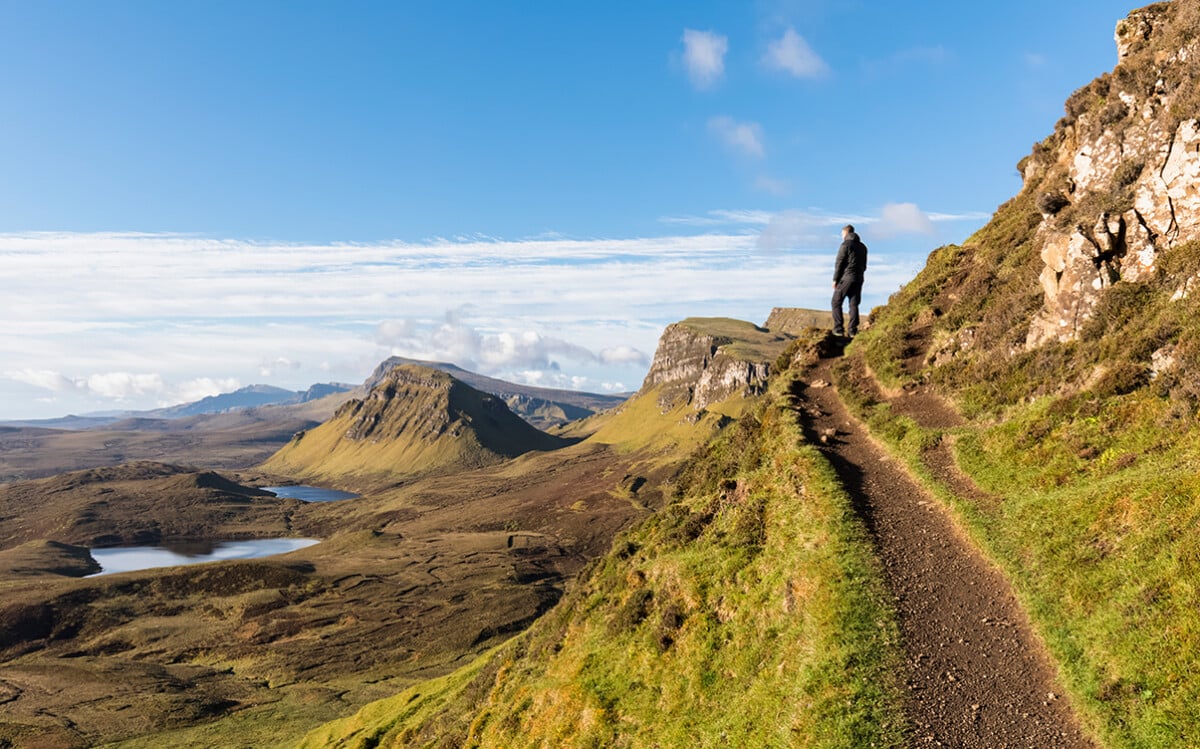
[{"x": 107, "y": 320}]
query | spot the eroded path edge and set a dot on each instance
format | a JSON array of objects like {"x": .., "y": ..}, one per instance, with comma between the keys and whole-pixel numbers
[{"x": 977, "y": 674}]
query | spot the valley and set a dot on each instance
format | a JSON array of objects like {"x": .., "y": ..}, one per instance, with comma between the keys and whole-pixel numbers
[
  {"x": 971, "y": 524},
  {"x": 458, "y": 541}
]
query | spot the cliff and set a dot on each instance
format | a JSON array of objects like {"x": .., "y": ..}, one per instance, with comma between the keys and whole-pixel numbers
[
  {"x": 703, "y": 360},
  {"x": 542, "y": 407},
  {"x": 1065, "y": 336},
  {"x": 753, "y": 592},
  {"x": 1117, "y": 182}
]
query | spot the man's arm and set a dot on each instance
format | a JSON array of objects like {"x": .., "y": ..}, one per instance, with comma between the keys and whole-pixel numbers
[{"x": 839, "y": 265}]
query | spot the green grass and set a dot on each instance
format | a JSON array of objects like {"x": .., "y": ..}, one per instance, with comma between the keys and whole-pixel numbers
[
  {"x": 748, "y": 612},
  {"x": 742, "y": 339},
  {"x": 1094, "y": 524}
]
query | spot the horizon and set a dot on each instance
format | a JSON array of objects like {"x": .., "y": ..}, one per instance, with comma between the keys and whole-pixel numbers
[{"x": 265, "y": 194}]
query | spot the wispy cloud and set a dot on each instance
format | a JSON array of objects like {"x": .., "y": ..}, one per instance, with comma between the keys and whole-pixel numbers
[
  {"x": 902, "y": 218},
  {"x": 779, "y": 187},
  {"x": 704, "y": 57},
  {"x": 792, "y": 54},
  {"x": 720, "y": 217},
  {"x": 745, "y": 138},
  {"x": 141, "y": 320}
]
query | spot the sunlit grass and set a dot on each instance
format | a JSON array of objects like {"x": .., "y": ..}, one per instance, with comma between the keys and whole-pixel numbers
[{"x": 748, "y": 612}]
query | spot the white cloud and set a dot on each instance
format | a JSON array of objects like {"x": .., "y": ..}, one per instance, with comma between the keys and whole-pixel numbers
[
  {"x": 788, "y": 230},
  {"x": 721, "y": 217},
  {"x": 201, "y": 387},
  {"x": 743, "y": 137},
  {"x": 141, "y": 319},
  {"x": 124, "y": 385},
  {"x": 624, "y": 355},
  {"x": 771, "y": 185},
  {"x": 793, "y": 55},
  {"x": 902, "y": 218},
  {"x": 42, "y": 378},
  {"x": 704, "y": 56},
  {"x": 277, "y": 365}
]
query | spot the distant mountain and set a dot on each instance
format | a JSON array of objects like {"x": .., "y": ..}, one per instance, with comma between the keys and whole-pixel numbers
[
  {"x": 414, "y": 420},
  {"x": 251, "y": 396},
  {"x": 542, "y": 407}
]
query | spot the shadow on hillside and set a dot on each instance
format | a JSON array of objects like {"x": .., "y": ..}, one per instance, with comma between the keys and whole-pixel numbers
[{"x": 814, "y": 408}]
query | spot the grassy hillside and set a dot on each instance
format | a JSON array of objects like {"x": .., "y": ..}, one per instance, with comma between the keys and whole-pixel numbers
[
  {"x": 748, "y": 612},
  {"x": 414, "y": 421},
  {"x": 1084, "y": 450}
]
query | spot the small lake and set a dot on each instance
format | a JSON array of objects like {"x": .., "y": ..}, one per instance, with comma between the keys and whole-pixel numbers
[
  {"x": 310, "y": 493},
  {"x": 132, "y": 558}
]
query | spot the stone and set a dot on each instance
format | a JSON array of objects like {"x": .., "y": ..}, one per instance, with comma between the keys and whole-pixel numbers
[{"x": 1084, "y": 254}]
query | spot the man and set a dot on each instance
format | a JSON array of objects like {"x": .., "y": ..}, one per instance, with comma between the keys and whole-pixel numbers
[{"x": 848, "y": 272}]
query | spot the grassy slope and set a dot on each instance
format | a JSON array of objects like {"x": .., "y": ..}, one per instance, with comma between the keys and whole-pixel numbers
[
  {"x": 749, "y": 612},
  {"x": 477, "y": 432},
  {"x": 1092, "y": 461}
]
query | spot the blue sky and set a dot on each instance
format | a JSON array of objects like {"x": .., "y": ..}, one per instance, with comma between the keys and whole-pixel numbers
[{"x": 201, "y": 195}]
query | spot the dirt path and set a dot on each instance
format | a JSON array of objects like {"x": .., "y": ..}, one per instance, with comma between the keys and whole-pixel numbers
[{"x": 977, "y": 677}]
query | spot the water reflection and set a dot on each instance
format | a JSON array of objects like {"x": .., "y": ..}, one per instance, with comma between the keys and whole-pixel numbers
[
  {"x": 131, "y": 558},
  {"x": 310, "y": 493}
]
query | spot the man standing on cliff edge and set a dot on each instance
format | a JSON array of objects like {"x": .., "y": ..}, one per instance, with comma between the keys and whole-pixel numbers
[{"x": 848, "y": 272}]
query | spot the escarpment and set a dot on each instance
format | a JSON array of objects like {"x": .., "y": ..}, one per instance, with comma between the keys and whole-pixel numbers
[
  {"x": 413, "y": 421},
  {"x": 701, "y": 361},
  {"x": 1118, "y": 182}
]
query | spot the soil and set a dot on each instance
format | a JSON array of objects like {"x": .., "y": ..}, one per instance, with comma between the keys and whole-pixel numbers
[
  {"x": 407, "y": 585},
  {"x": 977, "y": 674}
]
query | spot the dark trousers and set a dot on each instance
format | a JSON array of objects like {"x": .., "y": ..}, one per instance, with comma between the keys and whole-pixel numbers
[{"x": 849, "y": 289}]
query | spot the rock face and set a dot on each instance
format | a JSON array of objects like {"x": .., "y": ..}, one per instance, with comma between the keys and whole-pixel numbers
[
  {"x": 701, "y": 361},
  {"x": 542, "y": 407},
  {"x": 1119, "y": 180},
  {"x": 414, "y": 421}
]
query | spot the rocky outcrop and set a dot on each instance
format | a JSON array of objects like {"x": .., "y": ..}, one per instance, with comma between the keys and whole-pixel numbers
[
  {"x": 795, "y": 320},
  {"x": 701, "y": 361},
  {"x": 542, "y": 407},
  {"x": 414, "y": 421},
  {"x": 1119, "y": 180}
]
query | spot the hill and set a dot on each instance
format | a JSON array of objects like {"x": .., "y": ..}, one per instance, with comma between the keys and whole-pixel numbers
[
  {"x": 542, "y": 407},
  {"x": 414, "y": 421},
  {"x": 1065, "y": 336},
  {"x": 752, "y": 592},
  {"x": 410, "y": 581},
  {"x": 137, "y": 503},
  {"x": 1038, "y": 380}
]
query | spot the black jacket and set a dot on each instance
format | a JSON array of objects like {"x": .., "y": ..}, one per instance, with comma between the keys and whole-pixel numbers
[{"x": 851, "y": 259}]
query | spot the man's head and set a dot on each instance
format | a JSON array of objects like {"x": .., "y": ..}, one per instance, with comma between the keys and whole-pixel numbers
[{"x": 847, "y": 230}]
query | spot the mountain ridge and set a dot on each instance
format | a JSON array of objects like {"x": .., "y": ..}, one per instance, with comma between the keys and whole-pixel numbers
[{"x": 414, "y": 420}]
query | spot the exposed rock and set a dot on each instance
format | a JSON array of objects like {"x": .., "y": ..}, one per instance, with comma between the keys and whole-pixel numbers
[
  {"x": 542, "y": 407},
  {"x": 1126, "y": 160},
  {"x": 1163, "y": 360},
  {"x": 701, "y": 361},
  {"x": 414, "y": 421}
]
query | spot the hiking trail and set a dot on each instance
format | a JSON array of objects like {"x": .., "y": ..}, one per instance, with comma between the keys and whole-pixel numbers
[{"x": 977, "y": 676}]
